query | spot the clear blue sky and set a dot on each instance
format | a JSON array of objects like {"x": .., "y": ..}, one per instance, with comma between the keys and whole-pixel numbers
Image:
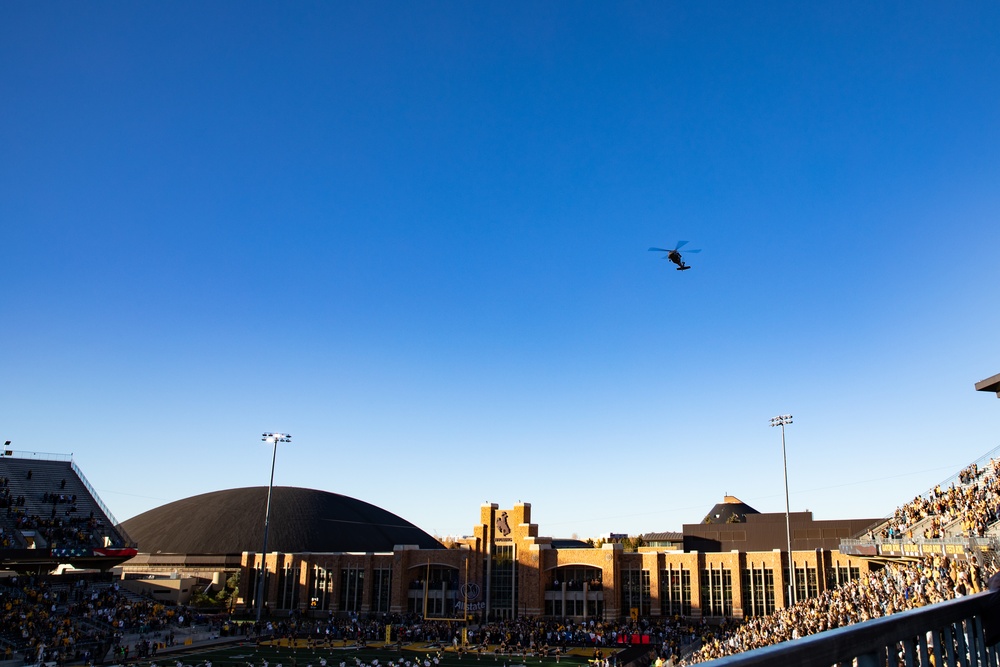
[{"x": 413, "y": 235}]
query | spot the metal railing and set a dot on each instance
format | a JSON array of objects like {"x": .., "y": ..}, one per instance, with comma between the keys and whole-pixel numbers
[
  {"x": 48, "y": 456},
  {"x": 38, "y": 456},
  {"x": 983, "y": 464},
  {"x": 986, "y": 550},
  {"x": 947, "y": 634},
  {"x": 128, "y": 541},
  {"x": 983, "y": 548}
]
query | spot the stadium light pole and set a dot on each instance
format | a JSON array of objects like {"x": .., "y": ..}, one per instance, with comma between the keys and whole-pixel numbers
[
  {"x": 782, "y": 420},
  {"x": 274, "y": 439}
]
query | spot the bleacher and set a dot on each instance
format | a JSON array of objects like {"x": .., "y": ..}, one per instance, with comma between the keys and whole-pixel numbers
[
  {"x": 959, "y": 516},
  {"x": 50, "y": 514}
]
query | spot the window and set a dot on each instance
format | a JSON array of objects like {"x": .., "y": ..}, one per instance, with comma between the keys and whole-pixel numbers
[
  {"x": 441, "y": 585},
  {"x": 321, "y": 587},
  {"x": 575, "y": 591},
  {"x": 635, "y": 591},
  {"x": 253, "y": 581},
  {"x": 595, "y": 607},
  {"x": 758, "y": 590},
  {"x": 838, "y": 575},
  {"x": 716, "y": 591},
  {"x": 381, "y": 589},
  {"x": 503, "y": 581},
  {"x": 352, "y": 586},
  {"x": 575, "y": 576},
  {"x": 288, "y": 587},
  {"x": 806, "y": 582},
  {"x": 675, "y": 591}
]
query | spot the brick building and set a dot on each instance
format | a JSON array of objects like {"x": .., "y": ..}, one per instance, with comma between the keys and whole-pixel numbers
[{"x": 505, "y": 569}]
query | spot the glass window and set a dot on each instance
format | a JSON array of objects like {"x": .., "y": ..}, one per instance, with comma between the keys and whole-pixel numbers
[
  {"x": 381, "y": 589},
  {"x": 352, "y": 585},
  {"x": 758, "y": 590},
  {"x": 716, "y": 592},
  {"x": 806, "y": 582},
  {"x": 838, "y": 575},
  {"x": 320, "y": 588},
  {"x": 575, "y": 576},
  {"x": 440, "y": 584},
  {"x": 253, "y": 580},
  {"x": 635, "y": 591},
  {"x": 288, "y": 587},
  {"x": 503, "y": 579},
  {"x": 675, "y": 591}
]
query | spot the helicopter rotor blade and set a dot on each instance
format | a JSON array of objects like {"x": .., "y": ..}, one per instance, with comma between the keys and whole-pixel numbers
[
  {"x": 698, "y": 250},
  {"x": 680, "y": 244},
  {"x": 660, "y": 249}
]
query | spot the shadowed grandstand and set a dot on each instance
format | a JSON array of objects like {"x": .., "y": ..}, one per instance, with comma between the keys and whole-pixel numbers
[{"x": 50, "y": 515}]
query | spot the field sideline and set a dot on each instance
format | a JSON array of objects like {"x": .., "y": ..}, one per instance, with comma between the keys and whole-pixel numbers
[{"x": 298, "y": 653}]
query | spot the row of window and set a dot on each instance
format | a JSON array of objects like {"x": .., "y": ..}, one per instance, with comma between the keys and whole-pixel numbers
[
  {"x": 757, "y": 583},
  {"x": 717, "y": 589},
  {"x": 352, "y": 588}
]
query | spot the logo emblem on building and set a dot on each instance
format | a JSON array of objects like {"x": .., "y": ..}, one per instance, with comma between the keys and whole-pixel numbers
[
  {"x": 470, "y": 591},
  {"x": 502, "y": 526}
]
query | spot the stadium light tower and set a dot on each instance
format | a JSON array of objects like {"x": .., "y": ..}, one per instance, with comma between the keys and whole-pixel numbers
[
  {"x": 274, "y": 439},
  {"x": 782, "y": 420}
]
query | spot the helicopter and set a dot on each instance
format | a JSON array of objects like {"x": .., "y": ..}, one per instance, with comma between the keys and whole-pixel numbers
[{"x": 675, "y": 255}]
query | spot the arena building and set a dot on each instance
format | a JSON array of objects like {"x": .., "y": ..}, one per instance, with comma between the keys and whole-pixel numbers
[
  {"x": 331, "y": 554},
  {"x": 202, "y": 540},
  {"x": 505, "y": 570}
]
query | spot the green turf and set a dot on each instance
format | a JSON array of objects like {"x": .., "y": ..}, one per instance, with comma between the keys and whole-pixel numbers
[{"x": 245, "y": 654}]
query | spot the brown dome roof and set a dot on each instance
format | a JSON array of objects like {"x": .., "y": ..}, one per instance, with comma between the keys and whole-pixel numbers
[{"x": 301, "y": 520}]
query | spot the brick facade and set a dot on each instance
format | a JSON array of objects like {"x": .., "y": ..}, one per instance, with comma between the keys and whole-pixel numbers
[{"x": 505, "y": 569}]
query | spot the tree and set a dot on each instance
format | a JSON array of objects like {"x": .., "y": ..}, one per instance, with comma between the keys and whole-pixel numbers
[
  {"x": 633, "y": 543},
  {"x": 223, "y": 598},
  {"x": 448, "y": 542}
]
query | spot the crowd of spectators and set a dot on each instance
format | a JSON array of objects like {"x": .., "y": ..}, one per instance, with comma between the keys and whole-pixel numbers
[
  {"x": 56, "y": 520},
  {"x": 59, "y": 498},
  {"x": 351, "y": 629},
  {"x": 9, "y": 500},
  {"x": 895, "y": 588},
  {"x": 82, "y": 620},
  {"x": 975, "y": 502},
  {"x": 515, "y": 637},
  {"x": 967, "y": 509},
  {"x": 664, "y": 635},
  {"x": 58, "y": 531},
  {"x": 78, "y": 622}
]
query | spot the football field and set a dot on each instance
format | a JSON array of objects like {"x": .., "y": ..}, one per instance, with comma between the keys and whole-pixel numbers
[{"x": 376, "y": 654}]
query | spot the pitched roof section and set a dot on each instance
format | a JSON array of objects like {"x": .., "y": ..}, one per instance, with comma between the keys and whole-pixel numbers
[
  {"x": 301, "y": 520},
  {"x": 666, "y": 536},
  {"x": 570, "y": 543},
  {"x": 990, "y": 384},
  {"x": 730, "y": 510}
]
